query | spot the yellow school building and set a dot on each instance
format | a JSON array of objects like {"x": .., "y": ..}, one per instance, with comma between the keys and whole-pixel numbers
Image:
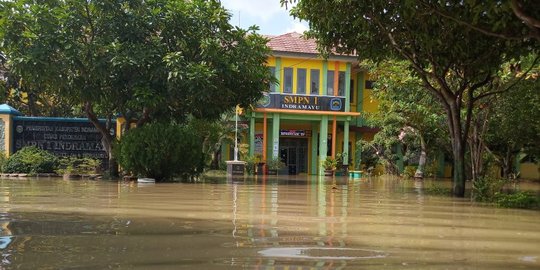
[{"x": 313, "y": 111}]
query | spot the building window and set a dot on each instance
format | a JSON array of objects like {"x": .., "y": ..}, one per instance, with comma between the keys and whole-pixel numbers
[
  {"x": 341, "y": 84},
  {"x": 314, "y": 81},
  {"x": 301, "y": 81},
  {"x": 288, "y": 74},
  {"x": 330, "y": 83},
  {"x": 272, "y": 85}
]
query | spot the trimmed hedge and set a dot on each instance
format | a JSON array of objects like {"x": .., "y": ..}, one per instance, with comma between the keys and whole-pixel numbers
[{"x": 161, "y": 151}]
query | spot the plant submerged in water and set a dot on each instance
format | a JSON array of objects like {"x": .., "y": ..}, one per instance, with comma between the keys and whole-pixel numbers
[
  {"x": 490, "y": 190},
  {"x": 330, "y": 164}
]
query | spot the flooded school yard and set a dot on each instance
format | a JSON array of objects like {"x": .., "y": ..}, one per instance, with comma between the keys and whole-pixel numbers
[{"x": 258, "y": 223}]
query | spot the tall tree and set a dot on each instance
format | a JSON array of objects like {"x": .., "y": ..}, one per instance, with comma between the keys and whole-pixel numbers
[
  {"x": 457, "y": 66},
  {"x": 514, "y": 124},
  {"x": 148, "y": 60}
]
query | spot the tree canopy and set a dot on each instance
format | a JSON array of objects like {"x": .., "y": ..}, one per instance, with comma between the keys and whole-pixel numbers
[
  {"x": 456, "y": 64},
  {"x": 147, "y": 60}
]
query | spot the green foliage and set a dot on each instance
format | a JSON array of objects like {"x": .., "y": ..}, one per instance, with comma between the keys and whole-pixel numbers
[
  {"x": 161, "y": 151},
  {"x": 3, "y": 160},
  {"x": 143, "y": 59},
  {"x": 158, "y": 60},
  {"x": 485, "y": 188},
  {"x": 490, "y": 190},
  {"x": 330, "y": 164},
  {"x": 438, "y": 189},
  {"x": 76, "y": 165},
  {"x": 518, "y": 199},
  {"x": 275, "y": 164},
  {"x": 409, "y": 171},
  {"x": 514, "y": 125},
  {"x": 456, "y": 65},
  {"x": 251, "y": 163},
  {"x": 31, "y": 160}
]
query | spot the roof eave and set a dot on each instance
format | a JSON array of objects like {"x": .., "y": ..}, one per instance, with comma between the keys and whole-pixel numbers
[{"x": 333, "y": 57}]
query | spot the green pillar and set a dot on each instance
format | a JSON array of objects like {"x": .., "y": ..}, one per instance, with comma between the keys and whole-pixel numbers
[
  {"x": 360, "y": 98},
  {"x": 324, "y": 88},
  {"x": 400, "y": 166},
  {"x": 275, "y": 136},
  {"x": 314, "y": 148},
  {"x": 358, "y": 153},
  {"x": 252, "y": 135},
  {"x": 323, "y": 140},
  {"x": 277, "y": 74},
  {"x": 348, "y": 88},
  {"x": 346, "y": 142}
]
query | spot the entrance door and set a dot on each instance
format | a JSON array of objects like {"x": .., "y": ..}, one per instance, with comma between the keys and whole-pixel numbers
[{"x": 293, "y": 152}]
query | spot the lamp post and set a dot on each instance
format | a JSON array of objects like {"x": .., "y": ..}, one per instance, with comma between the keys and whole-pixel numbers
[{"x": 235, "y": 167}]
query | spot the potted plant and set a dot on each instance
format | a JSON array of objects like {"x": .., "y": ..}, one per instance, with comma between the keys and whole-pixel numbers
[
  {"x": 274, "y": 165},
  {"x": 329, "y": 165},
  {"x": 342, "y": 169}
]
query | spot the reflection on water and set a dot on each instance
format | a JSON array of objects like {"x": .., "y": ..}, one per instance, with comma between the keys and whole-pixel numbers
[{"x": 258, "y": 223}]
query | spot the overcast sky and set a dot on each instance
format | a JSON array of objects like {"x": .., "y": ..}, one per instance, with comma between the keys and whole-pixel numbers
[{"x": 271, "y": 18}]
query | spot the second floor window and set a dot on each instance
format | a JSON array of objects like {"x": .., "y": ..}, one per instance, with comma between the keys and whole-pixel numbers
[
  {"x": 272, "y": 85},
  {"x": 301, "y": 81},
  {"x": 288, "y": 80},
  {"x": 341, "y": 83},
  {"x": 314, "y": 81},
  {"x": 330, "y": 83}
]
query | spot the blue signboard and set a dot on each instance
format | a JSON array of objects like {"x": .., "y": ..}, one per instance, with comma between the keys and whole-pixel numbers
[{"x": 302, "y": 102}]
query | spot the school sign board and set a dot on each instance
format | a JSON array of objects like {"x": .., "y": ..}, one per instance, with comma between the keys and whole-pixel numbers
[{"x": 64, "y": 137}]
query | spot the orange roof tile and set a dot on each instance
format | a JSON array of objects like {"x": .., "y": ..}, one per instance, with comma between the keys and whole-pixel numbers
[
  {"x": 292, "y": 42},
  {"x": 296, "y": 43}
]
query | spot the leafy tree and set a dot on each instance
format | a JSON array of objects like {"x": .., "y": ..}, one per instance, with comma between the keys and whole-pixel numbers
[
  {"x": 514, "y": 124},
  {"x": 457, "y": 66},
  {"x": 147, "y": 60},
  {"x": 406, "y": 114},
  {"x": 513, "y": 19}
]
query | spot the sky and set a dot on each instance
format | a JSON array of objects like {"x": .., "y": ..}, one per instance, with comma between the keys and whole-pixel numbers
[{"x": 269, "y": 15}]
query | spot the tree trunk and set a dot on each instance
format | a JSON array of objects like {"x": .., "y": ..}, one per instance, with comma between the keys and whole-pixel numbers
[
  {"x": 507, "y": 164},
  {"x": 458, "y": 148},
  {"x": 422, "y": 161},
  {"x": 458, "y": 152},
  {"x": 107, "y": 138}
]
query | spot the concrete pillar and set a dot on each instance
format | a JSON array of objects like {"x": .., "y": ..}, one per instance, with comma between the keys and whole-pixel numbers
[
  {"x": 252, "y": 135},
  {"x": 6, "y": 128},
  {"x": 314, "y": 148},
  {"x": 275, "y": 136},
  {"x": 323, "y": 140},
  {"x": 346, "y": 143}
]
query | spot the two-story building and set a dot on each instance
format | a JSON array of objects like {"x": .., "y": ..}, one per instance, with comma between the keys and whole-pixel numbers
[{"x": 315, "y": 109}]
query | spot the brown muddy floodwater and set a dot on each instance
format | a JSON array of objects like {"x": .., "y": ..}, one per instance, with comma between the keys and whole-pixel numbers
[{"x": 271, "y": 223}]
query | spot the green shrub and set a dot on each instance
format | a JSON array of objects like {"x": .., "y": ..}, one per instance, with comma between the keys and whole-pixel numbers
[
  {"x": 519, "y": 199},
  {"x": 75, "y": 165},
  {"x": 161, "y": 151},
  {"x": 409, "y": 171},
  {"x": 251, "y": 163},
  {"x": 31, "y": 160},
  {"x": 484, "y": 188}
]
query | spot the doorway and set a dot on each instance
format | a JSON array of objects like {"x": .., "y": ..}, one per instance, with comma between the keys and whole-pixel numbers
[{"x": 294, "y": 153}]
